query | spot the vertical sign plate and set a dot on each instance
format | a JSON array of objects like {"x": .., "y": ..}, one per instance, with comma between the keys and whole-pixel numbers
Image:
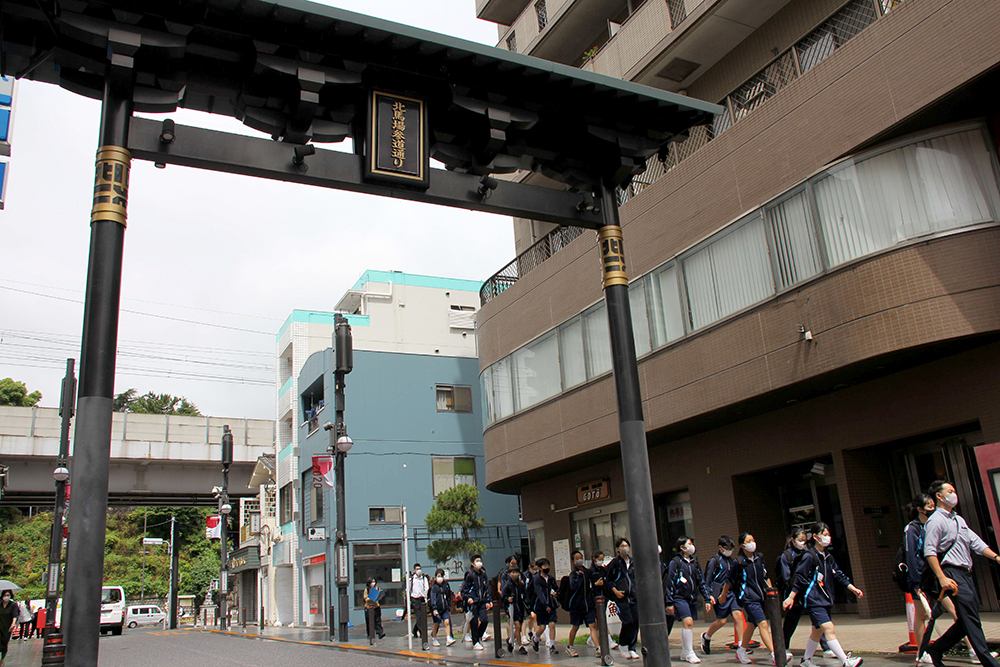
[{"x": 397, "y": 140}]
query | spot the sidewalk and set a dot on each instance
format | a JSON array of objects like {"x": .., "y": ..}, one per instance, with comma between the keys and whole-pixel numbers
[{"x": 877, "y": 640}]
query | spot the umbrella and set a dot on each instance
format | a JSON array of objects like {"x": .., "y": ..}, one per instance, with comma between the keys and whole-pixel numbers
[{"x": 8, "y": 585}]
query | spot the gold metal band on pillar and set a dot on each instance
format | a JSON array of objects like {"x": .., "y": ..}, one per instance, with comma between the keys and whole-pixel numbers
[
  {"x": 609, "y": 237},
  {"x": 111, "y": 185}
]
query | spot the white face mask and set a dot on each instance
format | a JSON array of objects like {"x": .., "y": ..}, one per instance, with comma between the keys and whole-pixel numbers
[
  {"x": 823, "y": 540},
  {"x": 799, "y": 544},
  {"x": 951, "y": 500},
  {"x": 750, "y": 547},
  {"x": 727, "y": 552},
  {"x": 416, "y": 573},
  {"x": 440, "y": 580},
  {"x": 689, "y": 549},
  {"x": 478, "y": 564}
]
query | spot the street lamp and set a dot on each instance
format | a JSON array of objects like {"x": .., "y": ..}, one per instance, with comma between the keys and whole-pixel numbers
[
  {"x": 340, "y": 444},
  {"x": 344, "y": 443},
  {"x": 222, "y": 493}
]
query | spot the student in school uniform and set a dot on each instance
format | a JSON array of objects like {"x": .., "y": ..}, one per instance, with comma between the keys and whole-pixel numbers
[
  {"x": 788, "y": 562},
  {"x": 814, "y": 581},
  {"x": 717, "y": 574},
  {"x": 598, "y": 570},
  {"x": 582, "y": 609},
  {"x": 684, "y": 582},
  {"x": 529, "y": 603},
  {"x": 440, "y": 600},
  {"x": 748, "y": 580},
  {"x": 503, "y": 576},
  {"x": 621, "y": 580},
  {"x": 544, "y": 609},
  {"x": 476, "y": 593},
  {"x": 512, "y": 594}
]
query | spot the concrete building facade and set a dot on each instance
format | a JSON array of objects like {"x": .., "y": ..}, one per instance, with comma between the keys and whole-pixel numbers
[{"x": 815, "y": 293}]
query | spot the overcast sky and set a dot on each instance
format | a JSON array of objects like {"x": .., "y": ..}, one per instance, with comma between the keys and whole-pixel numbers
[{"x": 213, "y": 263}]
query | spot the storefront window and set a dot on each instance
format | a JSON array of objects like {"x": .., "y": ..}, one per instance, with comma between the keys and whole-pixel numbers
[
  {"x": 673, "y": 514},
  {"x": 385, "y": 563}
]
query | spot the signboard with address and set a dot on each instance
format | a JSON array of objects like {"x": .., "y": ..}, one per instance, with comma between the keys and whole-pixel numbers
[{"x": 397, "y": 140}]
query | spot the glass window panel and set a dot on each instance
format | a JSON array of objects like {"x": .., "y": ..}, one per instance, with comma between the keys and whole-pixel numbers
[
  {"x": 597, "y": 340},
  {"x": 665, "y": 306},
  {"x": 465, "y": 471},
  {"x": 742, "y": 267},
  {"x": 795, "y": 246},
  {"x": 536, "y": 369},
  {"x": 444, "y": 474},
  {"x": 845, "y": 225},
  {"x": 503, "y": 395},
  {"x": 486, "y": 383},
  {"x": 702, "y": 304},
  {"x": 571, "y": 359},
  {"x": 619, "y": 525},
  {"x": 640, "y": 318}
]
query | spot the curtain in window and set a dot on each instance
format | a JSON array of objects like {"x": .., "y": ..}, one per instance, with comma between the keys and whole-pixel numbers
[
  {"x": 665, "y": 306},
  {"x": 794, "y": 240},
  {"x": 486, "y": 383},
  {"x": 640, "y": 318},
  {"x": 702, "y": 304},
  {"x": 444, "y": 474},
  {"x": 465, "y": 471},
  {"x": 503, "y": 395},
  {"x": 922, "y": 188},
  {"x": 536, "y": 369},
  {"x": 597, "y": 341},
  {"x": 571, "y": 358}
]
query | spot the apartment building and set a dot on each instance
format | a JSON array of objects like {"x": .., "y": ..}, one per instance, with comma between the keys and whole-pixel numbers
[
  {"x": 414, "y": 412},
  {"x": 814, "y": 287}
]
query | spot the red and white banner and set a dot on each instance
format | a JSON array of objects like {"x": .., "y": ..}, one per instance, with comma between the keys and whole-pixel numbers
[
  {"x": 323, "y": 471},
  {"x": 213, "y": 528}
]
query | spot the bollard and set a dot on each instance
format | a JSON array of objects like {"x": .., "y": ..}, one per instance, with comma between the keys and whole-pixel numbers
[
  {"x": 370, "y": 622},
  {"x": 601, "y": 604},
  {"x": 498, "y": 649},
  {"x": 244, "y": 613},
  {"x": 422, "y": 624},
  {"x": 772, "y": 610},
  {"x": 261, "y": 620},
  {"x": 53, "y": 651}
]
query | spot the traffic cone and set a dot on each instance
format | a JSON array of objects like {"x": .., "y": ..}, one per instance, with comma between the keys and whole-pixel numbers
[{"x": 911, "y": 645}]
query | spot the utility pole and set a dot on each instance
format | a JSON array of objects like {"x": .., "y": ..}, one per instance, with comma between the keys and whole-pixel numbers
[
  {"x": 142, "y": 587},
  {"x": 61, "y": 476},
  {"x": 175, "y": 563},
  {"x": 224, "y": 509}
]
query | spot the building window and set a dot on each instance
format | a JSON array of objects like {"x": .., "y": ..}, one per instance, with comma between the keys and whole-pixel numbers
[
  {"x": 536, "y": 540},
  {"x": 270, "y": 500},
  {"x": 454, "y": 398},
  {"x": 543, "y": 17},
  {"x": 384, "y": 563},
  {"x": 312, "y": 501},
  {"x": 452, "y": 472},
  {"x": 462, "y": 317},
  {"x": 512, "y": 42},
  {"x": 285, "y": 498},
  {"x": 378, "y": 515}
]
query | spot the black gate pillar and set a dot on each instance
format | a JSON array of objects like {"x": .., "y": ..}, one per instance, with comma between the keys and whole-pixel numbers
[
  {"x": 632, "y": 432},
  {"x": 92, "y": 444}
]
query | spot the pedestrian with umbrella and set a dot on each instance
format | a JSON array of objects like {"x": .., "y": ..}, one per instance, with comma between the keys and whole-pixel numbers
[{"x": 8, "y": 617}]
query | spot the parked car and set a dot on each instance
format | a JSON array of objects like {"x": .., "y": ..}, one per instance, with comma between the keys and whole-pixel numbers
[
  {"x": 144, "y": 615},
  {"x": 112, "y": 609}
]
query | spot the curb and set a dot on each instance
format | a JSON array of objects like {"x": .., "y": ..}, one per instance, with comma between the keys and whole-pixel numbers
[{"x": 419, "y": 656}]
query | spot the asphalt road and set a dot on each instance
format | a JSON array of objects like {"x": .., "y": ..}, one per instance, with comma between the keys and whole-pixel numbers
[{"x": 158, "y": 648}]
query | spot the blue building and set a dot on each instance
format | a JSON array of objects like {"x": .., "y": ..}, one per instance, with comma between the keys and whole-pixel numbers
[{"x": 413, "y": 409}]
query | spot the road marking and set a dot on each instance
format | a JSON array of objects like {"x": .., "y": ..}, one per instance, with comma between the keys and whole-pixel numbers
[{"x": 421, "y": 654}]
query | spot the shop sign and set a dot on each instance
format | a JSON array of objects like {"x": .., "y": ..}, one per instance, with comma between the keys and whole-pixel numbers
[
  {"x": 247, "y": 558},
  {"x": 314, "y": 560},
  {"x": 592, "y": 492},
  {"x": 397, "y": 140}
]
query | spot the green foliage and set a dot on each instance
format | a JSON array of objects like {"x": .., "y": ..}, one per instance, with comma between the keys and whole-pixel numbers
[
  {"x": 455, "y": 508},
  {"x": 154, "y": 404},
  {"x": 24, "y": 552},
  {"x": 16, "y": 393}
]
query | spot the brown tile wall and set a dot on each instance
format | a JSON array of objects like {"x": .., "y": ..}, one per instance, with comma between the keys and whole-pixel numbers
[{"x": 717, "y": 465}]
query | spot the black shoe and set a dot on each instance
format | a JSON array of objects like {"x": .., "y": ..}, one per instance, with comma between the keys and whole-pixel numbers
[
  {"x": 936, "y": 656},
  {"x": 522, "y": 650},
  {"x": 706, "y": 644},
  {"x": 534, "y": 644}
]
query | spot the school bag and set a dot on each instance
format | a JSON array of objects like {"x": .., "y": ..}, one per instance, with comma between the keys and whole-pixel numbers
[
  {"x": 562, "y": 596},
  {"x": 900, "y": 573},
  {"x": 779, "y": 577}
]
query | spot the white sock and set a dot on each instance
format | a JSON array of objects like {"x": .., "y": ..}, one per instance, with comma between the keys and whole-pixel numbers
[
  {"x": 687, "y": 642},
  {"x": 811, "y": 647},
  {"x": 835, "y": 646}
]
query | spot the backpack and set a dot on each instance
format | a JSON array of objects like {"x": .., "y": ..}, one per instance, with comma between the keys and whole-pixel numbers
[
  {"x": 900, "y": 572},
  {"x": 779, "y": 577},
  {"x": 562, "y": 597}
]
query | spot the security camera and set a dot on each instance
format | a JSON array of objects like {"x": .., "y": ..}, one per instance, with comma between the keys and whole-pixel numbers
[{"x": 328, "y": 426}]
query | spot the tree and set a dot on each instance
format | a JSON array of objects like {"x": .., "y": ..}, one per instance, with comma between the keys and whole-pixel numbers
[
  {"x": 16, "y": 393},
  {"x": 456, "y": 508},
  {"x": 154, "y": 404}
]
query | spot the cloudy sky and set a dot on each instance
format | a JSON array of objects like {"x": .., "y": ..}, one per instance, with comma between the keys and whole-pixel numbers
[{"x": 213, "y": 263}]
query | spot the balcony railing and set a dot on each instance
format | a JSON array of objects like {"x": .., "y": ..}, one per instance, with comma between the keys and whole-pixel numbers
[
  {"x": 530, "y": 259},
  {"x": 837, "y": 30}
]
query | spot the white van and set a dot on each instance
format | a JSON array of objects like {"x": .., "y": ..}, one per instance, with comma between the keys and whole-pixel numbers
[
  {"x": 144, "y": 615},
  {"x": 112, "y": 609}
]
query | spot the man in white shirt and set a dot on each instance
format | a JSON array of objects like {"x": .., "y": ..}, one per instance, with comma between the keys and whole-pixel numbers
[{"x": 418, "y": 589}]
